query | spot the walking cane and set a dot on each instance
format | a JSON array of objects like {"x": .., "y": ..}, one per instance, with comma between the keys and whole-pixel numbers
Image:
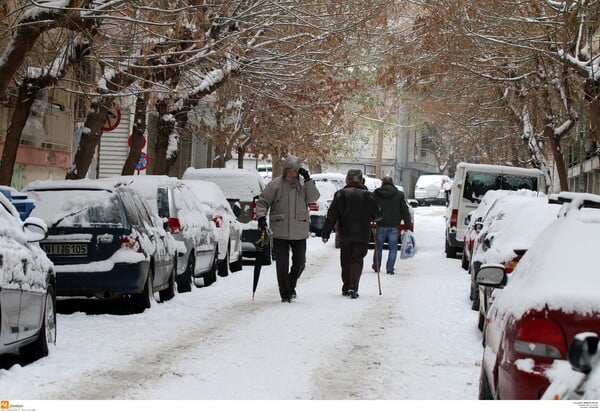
[{"x": 376, "y": 260}]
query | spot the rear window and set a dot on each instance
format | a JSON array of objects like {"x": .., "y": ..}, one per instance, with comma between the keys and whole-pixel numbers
[
  {"x": 478, "y": 183},
  {"x": 77, "y": 208}
]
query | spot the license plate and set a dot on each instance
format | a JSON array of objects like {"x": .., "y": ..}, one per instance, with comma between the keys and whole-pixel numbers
[{"x": 65, "y": 248}]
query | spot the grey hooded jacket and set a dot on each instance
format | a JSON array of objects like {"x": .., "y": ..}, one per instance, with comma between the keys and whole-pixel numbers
[{"x": 286, "y": 201}]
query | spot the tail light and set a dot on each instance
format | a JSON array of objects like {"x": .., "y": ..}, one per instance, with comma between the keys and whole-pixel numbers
[
  {"x": 218, "y": 221},
  {"x": 512, "y": 264},
  {"x": 454, "y": 217},
  {"x": 131, "y": 243},
  {"x": 313, "y": 206},
  {"x": 540, "y": 337},
  {"x": 254, "y": 209},
  {"x": 174, "y": 225}
]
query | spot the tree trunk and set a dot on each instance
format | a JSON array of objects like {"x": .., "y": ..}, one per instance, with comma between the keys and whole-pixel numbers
[
  {"x": 137, "y": 137},
  {"x": 90, "y": 137},
  {"x": 28, "y": 91},
  {"x": 164, "y": 129},
  {"x": 559, "y": 160}
]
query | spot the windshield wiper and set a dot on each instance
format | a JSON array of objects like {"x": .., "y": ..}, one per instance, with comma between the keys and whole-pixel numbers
[{"x": 71, "y": 214}]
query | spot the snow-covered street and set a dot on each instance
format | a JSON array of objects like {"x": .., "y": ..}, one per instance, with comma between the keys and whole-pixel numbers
[{"x": 417, "y": 341}]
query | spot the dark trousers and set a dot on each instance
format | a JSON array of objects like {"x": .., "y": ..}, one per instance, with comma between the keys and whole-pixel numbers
[
  {"x": 351, "y": 257},
  {"x": 286, "y": 277}
]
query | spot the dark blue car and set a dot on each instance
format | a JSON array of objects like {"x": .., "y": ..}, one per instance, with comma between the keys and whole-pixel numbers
[{"x": 104, "y": 241}]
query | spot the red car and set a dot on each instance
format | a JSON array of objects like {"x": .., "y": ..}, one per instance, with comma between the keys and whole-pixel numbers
[{"x": 551, "y": 296}]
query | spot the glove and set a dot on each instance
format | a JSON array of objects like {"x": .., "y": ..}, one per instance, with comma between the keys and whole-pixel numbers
[
  {"x": 262, "y": 222},
  {"x": 304, "y": 173}
]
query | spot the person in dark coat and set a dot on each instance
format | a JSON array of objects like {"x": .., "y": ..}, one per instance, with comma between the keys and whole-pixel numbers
[
  {"x": 395, "y": 209},
  {"x": 353, "y": 208},
  {"x": 285, "y": 199}
]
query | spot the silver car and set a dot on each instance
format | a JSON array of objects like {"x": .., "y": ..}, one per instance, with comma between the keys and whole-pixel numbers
[{"x": 27, "y": 286}]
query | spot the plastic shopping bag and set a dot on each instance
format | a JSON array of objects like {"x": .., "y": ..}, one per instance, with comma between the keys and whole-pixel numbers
[{"x": 408, "y": 245}]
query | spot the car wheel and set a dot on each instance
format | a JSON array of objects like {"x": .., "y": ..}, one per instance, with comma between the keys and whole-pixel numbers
[
  {"x": 484, "y": 387},
  {"x": 169, "y": 292},
  {"x": 223, "y": 265},
  {"x": 450, "y": 251},
  {"x": 237, "y": 265},
  {"x": 184, "y": 283},
  {"x": 464, "y": 262},
  {"x": 481, "y": 321},
  {"x": 211, "y": 275},
  {"x": 47, "y": 334},
  {"x": 143, "y": 300}
]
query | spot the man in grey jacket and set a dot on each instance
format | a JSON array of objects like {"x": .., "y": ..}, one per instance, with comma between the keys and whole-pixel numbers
[{"x": 285, "y": 200}]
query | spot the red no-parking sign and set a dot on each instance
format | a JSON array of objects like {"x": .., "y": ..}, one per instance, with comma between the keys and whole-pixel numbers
[{"x": 113, "y": 118}]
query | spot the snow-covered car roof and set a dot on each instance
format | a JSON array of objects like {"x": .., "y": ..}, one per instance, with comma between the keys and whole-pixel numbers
[
  {"x": 559, "y": 269},
  {"x": 100, "y": 184},
  {"x": 513, "y": 223},
  {"x": 236, "y": 183}
]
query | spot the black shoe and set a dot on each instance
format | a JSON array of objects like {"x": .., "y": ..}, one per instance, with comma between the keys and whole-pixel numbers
[
  {"x": 374, "y": 268},
  {"x": 353, "y": 294},
  {"x": 390, "y": 272},
  {"x": 345, "y": 293},
  {"x": 286, "y": 300}
]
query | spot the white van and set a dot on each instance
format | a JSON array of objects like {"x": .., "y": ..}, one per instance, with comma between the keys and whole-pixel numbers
[
  {"x": 471, "y": 182},
  {"x": 432, "y": 189}
]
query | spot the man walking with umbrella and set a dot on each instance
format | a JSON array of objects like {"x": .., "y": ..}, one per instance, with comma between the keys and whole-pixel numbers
[
  {"x": 285, "y": 200},
  {"x": 353, "y": 208}
]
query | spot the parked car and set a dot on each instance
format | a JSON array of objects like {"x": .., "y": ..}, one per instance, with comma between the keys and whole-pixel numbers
[
  {"x": 579, "y": 378},
  {"x": 471, "y": 182},
  {"x": 19, "y": 200},
  {"x": 511, "y": 225},
  {"x": 473, "y": 218},
  {"x": 265, "y": 171},
  {"x": 551, "y": 297},
  {"x": 227, "y": 228},
  {"x": 318, "y": 209},
  {"x": 27, "y": 286},
  {"x": 189, "y": 222},
  {"x": 432, "y": 189},
  {"x": 241, "y": 187},
  {"x": 104, "y": 242},
  {"x": 338, "y": 179}
]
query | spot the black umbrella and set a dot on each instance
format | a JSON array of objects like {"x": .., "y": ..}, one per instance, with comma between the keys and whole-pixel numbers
[{"x": 262, "y": 253}]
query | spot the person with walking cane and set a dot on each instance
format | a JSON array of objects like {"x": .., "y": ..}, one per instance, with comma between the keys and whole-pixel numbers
[
  {"x": 395, "y": 209},
  {"x": 285, "y": 199},
  {"x": 353, "y": 208}
]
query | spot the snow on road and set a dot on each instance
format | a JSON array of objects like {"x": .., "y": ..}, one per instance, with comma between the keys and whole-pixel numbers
[{"x": 418, "y": 340}]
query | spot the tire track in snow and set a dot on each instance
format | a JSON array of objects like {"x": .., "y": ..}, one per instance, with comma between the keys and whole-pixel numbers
[{"x": 148, "y": 367}]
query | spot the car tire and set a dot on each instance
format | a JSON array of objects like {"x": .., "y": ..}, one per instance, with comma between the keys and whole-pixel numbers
[
  {"x": 211, "y": 275},
  {"x": 184, "y": 283},
  {"x": 143, "y": 300},
  {"x": 481, "y": 321},
  {"x": 223, "y": 265},
  {"x": 484, "y": 387},
  {"x": 450, "y": 251},
  {"x": 47, "y": 335},
  {"x": 237, "y": 265},
  {"x": 463, "y": 261},
  {"x": 169, "y": 292}
]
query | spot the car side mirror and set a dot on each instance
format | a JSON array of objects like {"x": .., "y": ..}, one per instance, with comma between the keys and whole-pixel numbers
[
  {"x": 35, "y": 229},
  {"x": 583, "y": 349},
  {"x": 491, "y": 275}
]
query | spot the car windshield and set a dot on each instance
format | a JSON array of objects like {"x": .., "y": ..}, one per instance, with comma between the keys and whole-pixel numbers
[{"x": 77, "y": 208}]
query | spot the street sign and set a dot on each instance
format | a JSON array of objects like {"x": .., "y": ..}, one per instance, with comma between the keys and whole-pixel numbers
[
  {"x": 143, "y": 162},
  {"x": 113, "y": 118},
  {"x": 130, "y": 139}
]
